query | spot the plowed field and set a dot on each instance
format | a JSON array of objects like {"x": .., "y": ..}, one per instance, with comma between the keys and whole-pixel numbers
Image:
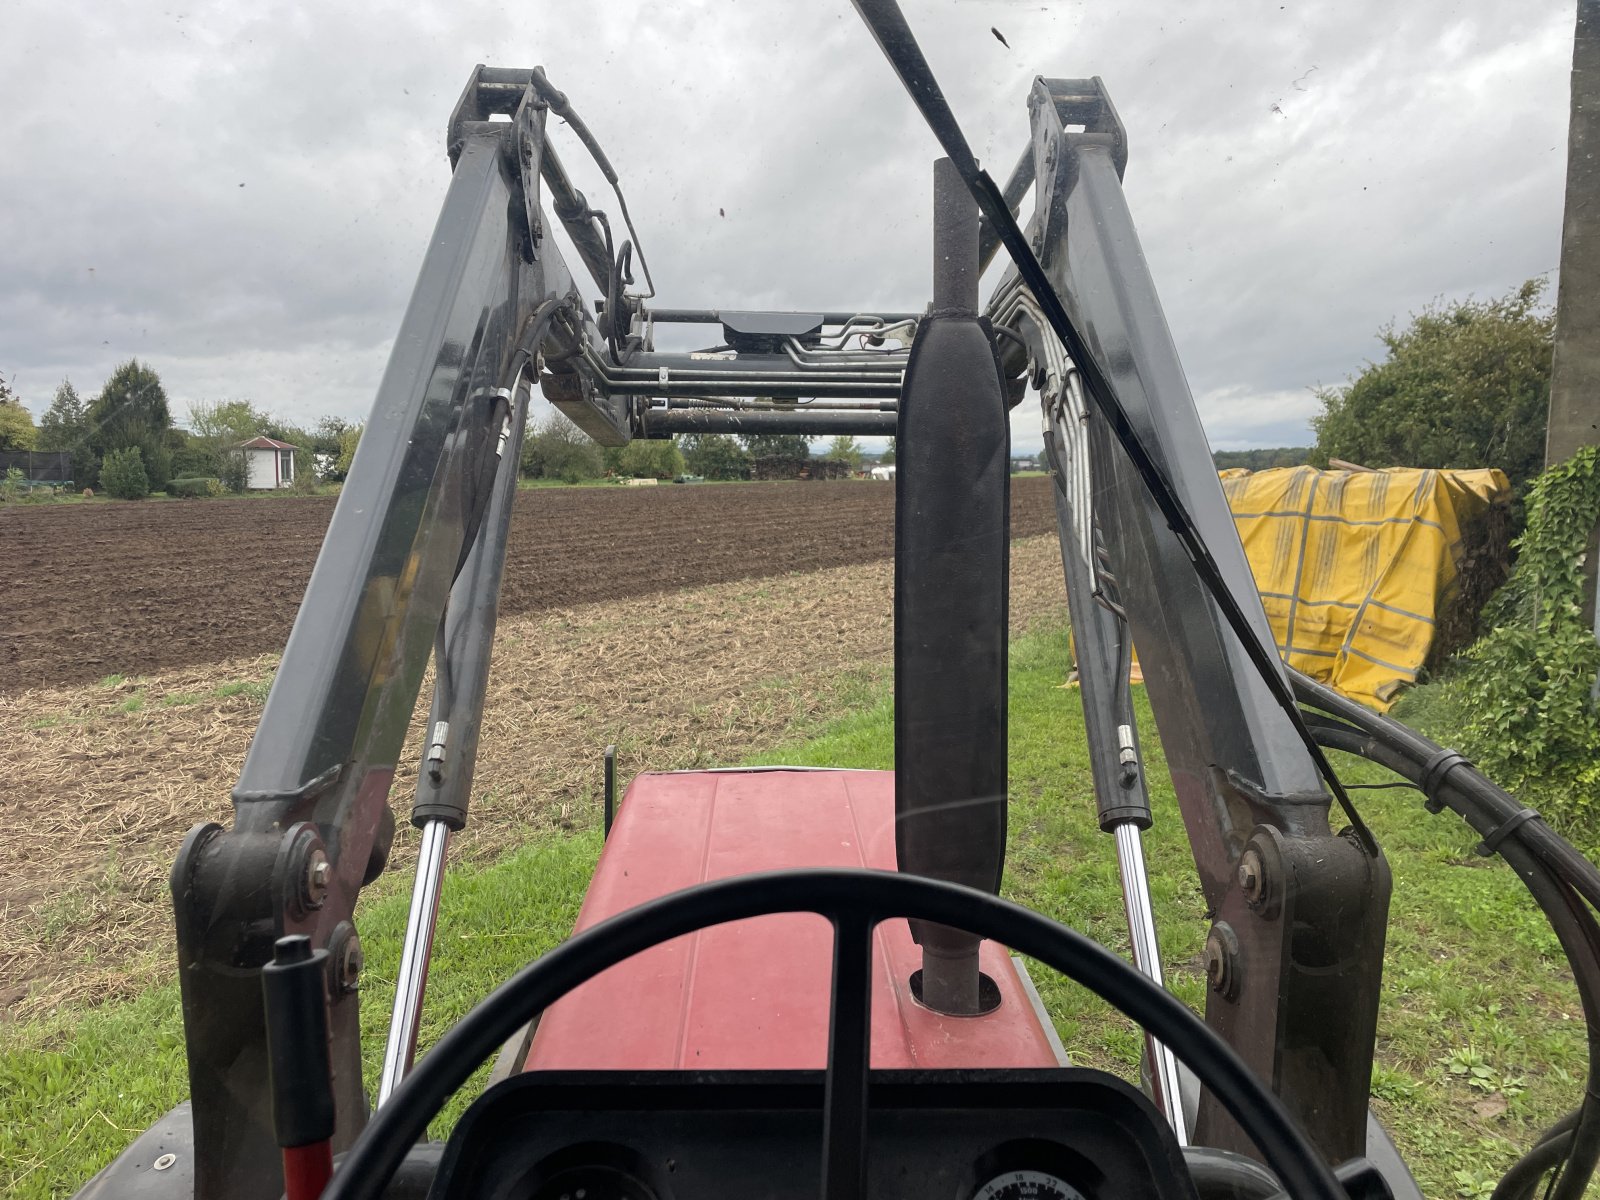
[{"x": 97, "y": 589}]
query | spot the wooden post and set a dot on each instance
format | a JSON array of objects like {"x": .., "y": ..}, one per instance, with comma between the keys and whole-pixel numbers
[{"x": 1575, "y": 374}]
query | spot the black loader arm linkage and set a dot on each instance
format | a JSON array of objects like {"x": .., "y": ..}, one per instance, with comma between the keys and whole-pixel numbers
[
  {"x": 412, "y": 560},
  {"x": 312, "y": 823},
  {"x": 1295, "y": 953}
]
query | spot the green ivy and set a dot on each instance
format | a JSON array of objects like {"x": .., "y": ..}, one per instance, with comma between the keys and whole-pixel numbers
[{"x": 1534, "y": 724}]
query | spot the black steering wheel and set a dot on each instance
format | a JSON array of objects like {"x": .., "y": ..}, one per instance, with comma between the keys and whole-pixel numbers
[{"x": 855, "y": 901}]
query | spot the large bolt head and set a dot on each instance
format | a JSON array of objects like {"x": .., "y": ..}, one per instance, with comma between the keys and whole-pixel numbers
[
  {"x": 318, "y": 877},
  {"x": 1252, "y": 876},
  {"x": 351, "y": 960},
  {"x": 1222, "y": 960},
  {"x": 1216, "y": 963}
]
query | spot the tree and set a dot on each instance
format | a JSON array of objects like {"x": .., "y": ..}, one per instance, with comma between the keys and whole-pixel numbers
[
  {"x": 1263, "y": 459},
  {"x": 16, "y": 422},
  {"x": 887, "y": 456},
  {"x": 191, "y": 458},
  {"x": 65, "y": 426},
  {"x": 66, "y": 421},
  {"x": 651, "y": 460},
  {"x": 122, "y": 474},
  {"x": 131, "y": 410},
  {"x": 348, "y": 441},
  {"x": 558, "y": 449},
  {"x": 327, "y": 445},
  {"x": 715, "y": 456},
  {"x": 846, "y": 449},
  {"x": 218, "y": 428},
  {"x": 1466, "y": 384},
  {"x": 325, "y": 437},
  {"x": 777, "y": 445}
]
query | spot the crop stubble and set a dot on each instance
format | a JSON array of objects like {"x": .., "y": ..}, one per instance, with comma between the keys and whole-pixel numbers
[{"x": 108, "y": 776}]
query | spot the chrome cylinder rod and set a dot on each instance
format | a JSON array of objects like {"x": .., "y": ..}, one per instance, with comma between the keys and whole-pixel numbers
[
  {"x": 412, "y": 980},
  {"x": 1164, "y": 1087}
]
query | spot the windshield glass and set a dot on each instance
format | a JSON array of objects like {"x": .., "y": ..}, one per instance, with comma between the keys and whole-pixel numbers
[{"x": 453, "y": 501}]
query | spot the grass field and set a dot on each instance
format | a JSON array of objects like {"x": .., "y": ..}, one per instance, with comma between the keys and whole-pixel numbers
[{"x": 1481, "y": 1038}]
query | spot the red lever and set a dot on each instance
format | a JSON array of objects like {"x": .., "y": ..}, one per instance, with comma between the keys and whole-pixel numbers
[{"x": 306, "y": 1170}]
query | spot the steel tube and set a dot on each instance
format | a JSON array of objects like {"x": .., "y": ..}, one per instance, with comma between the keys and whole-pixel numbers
[
  {"x": 774, "y": 404},
  {"x": 893, "y": 361},
  {"x": 955, "y": 242},
  {"x": 1164, "y": 1086},
  {"x": 572, "y": 210},
  {"x": 817, "y": 423},
  {"x": 646, "y": 367},
  {"x": 753, "y": 385},
  {"x": 712, "y": 316},
  {"x": 1017, "y": 185},
  {"x": 412, "y": 979},
  {"x": 653, "y": 374}
]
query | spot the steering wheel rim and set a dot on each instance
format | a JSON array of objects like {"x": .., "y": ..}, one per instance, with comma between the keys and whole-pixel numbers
[{"x": 855, "y": 901}]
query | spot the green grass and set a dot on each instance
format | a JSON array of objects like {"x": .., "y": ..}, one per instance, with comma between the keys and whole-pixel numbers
[
  {"x": 249, "y": 689},
  {"x": 77, "y": 1087},
  {"x": 526, "y": 484},
  {"x": 100, "y": 497},
  {"x": 1481, "y": 1038}
]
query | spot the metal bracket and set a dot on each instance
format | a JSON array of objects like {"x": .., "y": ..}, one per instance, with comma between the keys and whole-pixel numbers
[
  {"x": 1067, "y": 116},
  {"x": 489, "y": 94},
  {"x": 603, "y": 418}
]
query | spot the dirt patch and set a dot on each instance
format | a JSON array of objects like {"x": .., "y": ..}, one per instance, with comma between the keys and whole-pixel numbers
[
  {"x": 135, "y": 588},
  {"x": 105, "y": 779}
]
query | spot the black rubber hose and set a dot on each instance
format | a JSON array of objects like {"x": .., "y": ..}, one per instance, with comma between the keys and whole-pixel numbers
[
  {"x": 1463, "y": 788},
  {"x": 481, "y": 487},
  {"x": 1550, "y": 1151},
  {"x": 1520, "y": 1182},
  {"x": 1574, "y": 926},
  {"x": 1570, "y": 918},
  {"x": 558, "y": 104}
]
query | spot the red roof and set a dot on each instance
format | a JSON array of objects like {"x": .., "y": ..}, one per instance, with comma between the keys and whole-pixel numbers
[{"x": 266, "y": 443}]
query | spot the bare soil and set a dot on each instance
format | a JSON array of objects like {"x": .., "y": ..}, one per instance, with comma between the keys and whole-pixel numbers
[
  {"x": 129, "y": 589},
  {"x": 104, "y": 778}
]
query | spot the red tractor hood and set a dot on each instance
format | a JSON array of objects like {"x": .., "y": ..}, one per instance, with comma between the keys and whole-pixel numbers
[{"x": 755, "y": 994}]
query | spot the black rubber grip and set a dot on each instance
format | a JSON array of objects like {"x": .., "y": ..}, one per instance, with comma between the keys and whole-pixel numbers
[{"x": 295, "y": 992}]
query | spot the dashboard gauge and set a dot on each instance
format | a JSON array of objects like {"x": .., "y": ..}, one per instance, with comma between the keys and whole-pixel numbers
[
  {"x": 1027, "y": 1185},
  {"x": 599, "y": 1183}
]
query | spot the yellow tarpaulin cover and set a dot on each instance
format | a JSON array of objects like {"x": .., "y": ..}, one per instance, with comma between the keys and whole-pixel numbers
[{"x": 1354, "y": 566}]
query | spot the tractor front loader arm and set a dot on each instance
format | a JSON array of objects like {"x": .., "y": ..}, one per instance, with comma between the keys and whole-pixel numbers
[
  {"x": 312, "y": 823},
  {"x": 1295, "y": 952}
]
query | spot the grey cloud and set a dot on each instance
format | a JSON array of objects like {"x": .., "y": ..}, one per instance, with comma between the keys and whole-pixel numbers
[{"x": 1285, "y": 212}]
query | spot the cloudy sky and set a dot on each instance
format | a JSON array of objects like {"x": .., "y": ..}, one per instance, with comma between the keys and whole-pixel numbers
[{"x": 241, "y": 193}]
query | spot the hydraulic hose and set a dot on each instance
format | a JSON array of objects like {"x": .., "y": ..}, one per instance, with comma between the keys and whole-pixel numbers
[{"x": 1386, "y": 742}]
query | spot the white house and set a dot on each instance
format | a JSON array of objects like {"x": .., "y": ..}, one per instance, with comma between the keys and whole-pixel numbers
[
  {"x": 882, "y": 471},
  {"x": 269, "y": 463}
]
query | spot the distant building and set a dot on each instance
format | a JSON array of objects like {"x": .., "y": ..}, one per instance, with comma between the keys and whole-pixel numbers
[
  {"x": 269, "y": 463},
  {"x": 1024, "y": 464},
  {"x": 883, "y": 471}
]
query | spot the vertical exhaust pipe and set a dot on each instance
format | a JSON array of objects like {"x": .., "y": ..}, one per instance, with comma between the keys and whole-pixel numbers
[{"x": 952, "y": 562}]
